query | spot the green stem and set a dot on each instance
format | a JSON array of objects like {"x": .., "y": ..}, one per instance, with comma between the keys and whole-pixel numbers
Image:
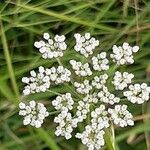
[
  {"x": 113, "y": 135},
  {"x": 9, "y": 63},
  {"x": 109, "y": 139},
  {"x": 145, "y": 109}
]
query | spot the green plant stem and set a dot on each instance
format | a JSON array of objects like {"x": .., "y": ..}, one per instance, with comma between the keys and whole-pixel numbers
[
  {"x": 113, "y": 135},
  {"x": 145, "y": 109},
  {"x": 9, "y": 63},
  {"x": 109, "y": 139}
]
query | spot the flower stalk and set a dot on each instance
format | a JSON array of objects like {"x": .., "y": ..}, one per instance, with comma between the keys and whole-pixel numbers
[{"x": 110, "y": 139}]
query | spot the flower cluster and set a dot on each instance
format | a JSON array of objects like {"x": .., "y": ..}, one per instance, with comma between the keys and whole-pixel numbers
[
  {"x": 85, "y": 44},
  {"x": 100, "y": 62},
  {"x": 93, "y": 134},
  {"x": 99, "y": 82},
  {"x": 91, "y": 96},
  {"x": 124, "y": 54},
  {"x": 92, "y": 137},
  {"x": 138, "y": 93},
  {"x": 65, "y": 127},
  {"x": 83, "y": 88},
  {"x": 83, "y": 107},
  {"x": 63, "y": 102},
  {"x": 33, "y": 114},
  {"x": 81, "y": 69},
  {"x": 52, "y": 48},
  {"x": 41, "y": 81},
  {"x": 121, "y": 116},
  {"x": 107, "y": 97},
  {"x": 121, "y": 80}
]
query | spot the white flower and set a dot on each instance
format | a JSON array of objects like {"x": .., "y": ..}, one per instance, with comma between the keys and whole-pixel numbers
[
  {"x": 84, "y": 106},
  {"x": 107, "y": 97},
  {"x": 124, "y": 54},
  {"x": 85, "y": 44},
  {"x": 65, "y": 127},
  {"x": 83, "y": 88},
  {"x": 81, "y": 69},
  {"x": 41, "y": 81},
  {"x": 63, "y": 102},
  {"x": 138, "y": 93},
  {"x": 51, "y": 48},
  {"x": 33, "y": 114},
  {"x": 121, "y": 80},
  {"x": 100, "y": 118},
  {"x": 92, "y": 137},
  {"x": 58, "y": 75},
  {"x": 100, "y": 62},
  {"x": 121, "y": 116},
  {"x": 93, "y": 99},
  {"x": 99, "y": 82},
  {"x": 38, "y": 82}
]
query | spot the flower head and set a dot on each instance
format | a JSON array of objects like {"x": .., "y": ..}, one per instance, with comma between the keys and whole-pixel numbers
[
  {"x": 41, "y": 81},
  {"x": 138, "y": 93},
  {"x": 121, "y": 80},
  {"x": 85, "y": 44},
  {"x": 33, "y": 114},
  {"x": 124, "y": 54},
  {"x": 51, "y": 48},
  {"x": 95, "y": 90},
  {"x": 121, "y": 116},
  {"x": 81, "y": 69},
  {"x": 100, "y": 62}
]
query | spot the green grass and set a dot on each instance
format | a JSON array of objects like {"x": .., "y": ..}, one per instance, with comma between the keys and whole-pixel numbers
[{"x": 24, "y": 21}]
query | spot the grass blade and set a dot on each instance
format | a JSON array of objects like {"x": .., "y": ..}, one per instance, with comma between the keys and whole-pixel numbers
[
  {"x": 9, "y": 64},
  {"x": 47, "y": 138}
]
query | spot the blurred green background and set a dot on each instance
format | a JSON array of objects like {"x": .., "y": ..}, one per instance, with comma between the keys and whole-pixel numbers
[{"x": 24, "y": 21}]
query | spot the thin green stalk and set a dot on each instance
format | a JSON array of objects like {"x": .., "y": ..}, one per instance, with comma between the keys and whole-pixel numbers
[
  {"x": 108, "y": 140},
  {"x": 65, "y": 17},
  {"x": 47, "y": 139},
  {"x": 145, "y": 109},
  {"x": 56, "y": 93},
  {"x": 113, "y": 136},
  {"x": 125, "y": 8},
  {"x": 9, "y": 63}
]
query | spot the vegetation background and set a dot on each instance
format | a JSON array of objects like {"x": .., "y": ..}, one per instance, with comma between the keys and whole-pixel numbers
[{"x": 24, "y": 21}]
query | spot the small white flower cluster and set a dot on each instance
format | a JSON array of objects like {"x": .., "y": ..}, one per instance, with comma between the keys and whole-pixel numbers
[
  {"x": 52, "y": 48},
  {"x": 124, "y": 54},
  {"x": 63, "y": 102},
  {"x": 100, "y": 62},
  {"x": 83, "y": 88},
  {"x": 93, "y": 134},
  {"x": 85, "y": 44},
  {"x": 66, "y": 125},
  {"x": 92, "y": 137},
  {"x": 107, "y": 97},
  {"x": 58, "y": 74},
  {"x": 138, "y": 93},
  {"x": 33, "y": 114},
  {"x": 121, "y": 116},
  {"x": 99, "y": 82},
  {"x": 83, "y": 107},
  {"x": 41, "y": 81},
  {"x": 100, "y": 118},
  {"x": 81, "y": 69},
  {"x": 121, "y": 80},
  {"x": 38, "y": 82},
  {"x": 66, "y": 122}
]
